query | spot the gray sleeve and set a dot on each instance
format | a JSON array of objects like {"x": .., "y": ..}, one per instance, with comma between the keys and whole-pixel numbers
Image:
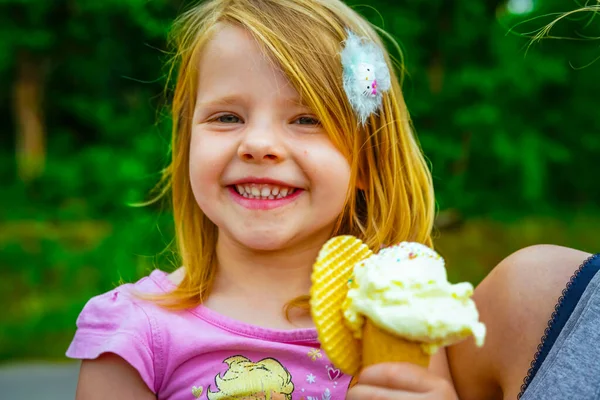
[{"x": 572, "y": 368}]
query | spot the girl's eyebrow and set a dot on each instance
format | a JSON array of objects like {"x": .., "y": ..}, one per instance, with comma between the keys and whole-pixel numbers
[
  {"x": 221, "y": 101},
  {"x": 233, "y": 99},
  {"x": 296, "y": 102}
]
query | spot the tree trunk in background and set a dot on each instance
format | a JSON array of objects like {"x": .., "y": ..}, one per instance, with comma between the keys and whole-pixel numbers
[{"x": 29, "y": 119}]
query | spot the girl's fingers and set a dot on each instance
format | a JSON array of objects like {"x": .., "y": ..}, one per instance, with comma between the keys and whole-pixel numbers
[
  {"x": 402, "y": 376},
  {"x": 366, "y": 392}
]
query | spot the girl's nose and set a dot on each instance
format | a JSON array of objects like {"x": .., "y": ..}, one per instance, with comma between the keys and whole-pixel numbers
[{"x": 262, "y": 144}]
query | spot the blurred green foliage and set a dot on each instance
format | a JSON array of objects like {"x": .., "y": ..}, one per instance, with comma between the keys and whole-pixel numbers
[{"x": 508, "y": 133}]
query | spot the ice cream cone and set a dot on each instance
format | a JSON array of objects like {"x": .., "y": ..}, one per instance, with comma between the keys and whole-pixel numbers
[
  {"x": 378, "y": 346},
  {"x": 366, "y": 307}
]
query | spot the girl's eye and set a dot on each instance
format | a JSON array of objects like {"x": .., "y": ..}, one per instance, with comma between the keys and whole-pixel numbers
[
  {"x": 228, "y": 119},
  {"x": 307, "y": 121}
]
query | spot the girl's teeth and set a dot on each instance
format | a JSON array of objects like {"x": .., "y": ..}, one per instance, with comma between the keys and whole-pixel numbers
[{"x": 253, "y": 191}]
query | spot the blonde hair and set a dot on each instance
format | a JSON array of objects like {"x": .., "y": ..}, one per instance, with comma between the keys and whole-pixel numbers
[
  {"x": 303, "y": 37},
  {"x": 245, "y": 379}
]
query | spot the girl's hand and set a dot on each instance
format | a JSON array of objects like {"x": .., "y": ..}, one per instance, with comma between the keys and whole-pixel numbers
[{"x": 400, "y": 381}]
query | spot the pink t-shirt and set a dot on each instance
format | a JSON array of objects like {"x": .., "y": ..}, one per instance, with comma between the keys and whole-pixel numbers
[{"x": 199, "y": 354}]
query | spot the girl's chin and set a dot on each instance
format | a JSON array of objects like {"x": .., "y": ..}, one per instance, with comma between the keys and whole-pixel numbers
[
  {"x": 273, "y": 240},
  {"x": 268, "y": 241},
  {"x": 264, "y": 243}
]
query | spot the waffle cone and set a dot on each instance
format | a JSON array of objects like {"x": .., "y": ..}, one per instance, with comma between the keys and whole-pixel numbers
[
  {"x": 378, "y": 346},
  {"x": 331, "y": 271}
]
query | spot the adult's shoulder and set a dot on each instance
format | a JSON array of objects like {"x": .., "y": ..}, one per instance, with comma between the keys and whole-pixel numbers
[{"x": 515, "y": 301}]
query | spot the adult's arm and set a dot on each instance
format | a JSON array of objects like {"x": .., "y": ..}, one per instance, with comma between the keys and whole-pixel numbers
[{"x": 516, "y": 302}]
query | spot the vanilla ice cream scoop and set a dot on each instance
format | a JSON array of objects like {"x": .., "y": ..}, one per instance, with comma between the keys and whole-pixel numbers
[{"x": 404, "y": 290}]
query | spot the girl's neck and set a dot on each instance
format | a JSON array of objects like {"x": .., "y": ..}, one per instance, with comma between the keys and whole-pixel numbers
[
  {"x": 284, "y": 273},
  {"x": 254, "y": 286}
]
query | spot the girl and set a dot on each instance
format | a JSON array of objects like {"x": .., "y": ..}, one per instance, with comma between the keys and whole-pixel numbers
[
  {"x": 276, "y": 147},
  {"x": 272, "y": 155}
]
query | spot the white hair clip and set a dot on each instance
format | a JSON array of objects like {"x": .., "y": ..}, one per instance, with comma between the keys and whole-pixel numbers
[{"x": 366, "y": 75}]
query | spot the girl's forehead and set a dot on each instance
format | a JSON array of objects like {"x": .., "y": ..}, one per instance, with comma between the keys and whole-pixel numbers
[
  {"x": 233, "y": 66},
  {"x": 229, "y": 41}
]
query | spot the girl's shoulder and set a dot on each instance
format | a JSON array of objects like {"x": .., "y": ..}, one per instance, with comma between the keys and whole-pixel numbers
[
  {"x": 127, "y": 305},
  {"x": 120, "y": 321}
]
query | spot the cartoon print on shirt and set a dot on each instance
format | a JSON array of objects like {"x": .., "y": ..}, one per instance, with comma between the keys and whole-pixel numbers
[
  {"x": 333, "y": 373},
  {"x": 197, "y": 391},
  {"x": 325, "y": 396},
  {"x": 314, "y": 354},
  {"x": 266, "y": 379}
]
